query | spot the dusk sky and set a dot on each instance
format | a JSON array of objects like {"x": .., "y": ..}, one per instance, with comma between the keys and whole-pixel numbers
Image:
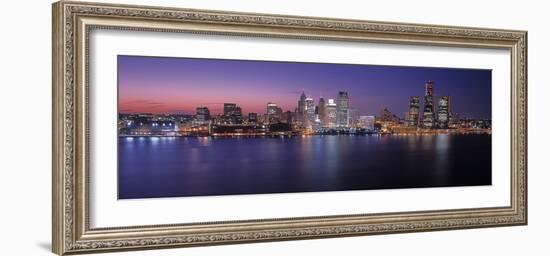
[{"x": 179, "y": 85}]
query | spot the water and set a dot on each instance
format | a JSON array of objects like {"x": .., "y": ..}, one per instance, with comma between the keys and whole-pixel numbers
[{"x": 186, "y": 166}]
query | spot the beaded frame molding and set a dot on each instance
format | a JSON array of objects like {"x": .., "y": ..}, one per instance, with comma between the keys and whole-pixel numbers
[{"x": 72, "y": 23}]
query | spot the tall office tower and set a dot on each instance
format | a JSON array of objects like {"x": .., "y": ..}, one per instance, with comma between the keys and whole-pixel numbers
[
  {"x": 229, "y": 108},
  {"x": 203, "y": 114},
  {"x": 322, "y": 111},
  {"x": 331, "y": 114},
  {"x": 310, "y": 111},
  {"x": 271, "y": 108},
  {"x": 287, "y": 117},
  {"x": 342, "y": 106},
  {"x": 232, "y": 114},
  {"x": 252, "y": 118},
  {"x": 443, "y": 113},
  {"x": 273, "y": 113},
  {"x": 301, "y": 113},
  {"x": 414, "y": 110},
  {"x": 428, "y": 120},
  {"x": 237, "y": 117}
]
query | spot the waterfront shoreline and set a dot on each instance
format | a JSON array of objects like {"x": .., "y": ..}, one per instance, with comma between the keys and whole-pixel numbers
[{"x": 422, "y": 133}]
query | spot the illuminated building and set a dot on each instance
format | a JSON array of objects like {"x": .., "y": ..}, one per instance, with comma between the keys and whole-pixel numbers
[
  {"x": 263, "y": 119},
  {"x": 274, "y": 113},
  {"x": 387, "y": 117},
  {"x": 342, "y": 106},
  {"x": 252, "y": 118},
  {"x": 352, "y": 117},
  {"x": 287, "y": 117},
  {"x": 331, "y": 121},
  {"x": 414, "y": 110},
  {"x": 154, "y": 128},
  {"x": 301, "y": 111},
  {"x": 310, "y": 111},
  {"x": 221, "y": 130},
  {"x": 322, "y": 111},
  {"x": 203, "y": 114},
  {"x": 366, "y": 122},
  {"x": 443, "y": 112},
  {"x": 229, "y": 108},
  {"x": 271, "y": 108},
  {"x": 232, "y": 114},
  {"x": 317, "y": 124},
  {"x": 428, "y": 116}
]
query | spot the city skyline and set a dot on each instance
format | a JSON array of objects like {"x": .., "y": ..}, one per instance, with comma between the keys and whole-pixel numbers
[{"x": 180, "y": 85}]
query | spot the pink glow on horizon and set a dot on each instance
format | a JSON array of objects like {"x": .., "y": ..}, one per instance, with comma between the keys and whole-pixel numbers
[{"x": 173, "y": 99}]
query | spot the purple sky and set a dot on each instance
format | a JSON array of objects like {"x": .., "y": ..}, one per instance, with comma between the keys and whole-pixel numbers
[{"x": 179, "y": 85}]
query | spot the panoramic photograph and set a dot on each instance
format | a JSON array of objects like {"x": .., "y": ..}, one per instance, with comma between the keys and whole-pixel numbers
[{"x": 214, "y": 127}]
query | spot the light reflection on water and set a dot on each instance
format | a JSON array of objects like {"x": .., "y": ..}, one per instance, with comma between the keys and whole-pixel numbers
[
  {"x": 442, "y": 144},
  {"x": 159, "y": 167}
]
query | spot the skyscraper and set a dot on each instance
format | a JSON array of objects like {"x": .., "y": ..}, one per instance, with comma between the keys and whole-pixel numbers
[
  {"x": 287, "y": 117},
  {"x": 331, "y": 114},
  {"x": 443, "y": 113},
  {"x": 414, "y": 110},
  {"x": 274, "y": 113},
  {"x": 271, "y": 108},
  {"x": 428, "y": 118},
  {"x": 229, "y": 108},
  {"x": 301, "y": 111},
  {"x": 203, "y": 114},
  {"x": 252, "y": 118},
  {"x": 342, "y": 106},
  {"x": 310, "y": 111},
  {"x": 232, "y": 114},
  {"x": 322, "y": 111}
]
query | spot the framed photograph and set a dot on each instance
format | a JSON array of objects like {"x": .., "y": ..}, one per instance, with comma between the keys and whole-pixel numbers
[{"x": 179, "y": 127}]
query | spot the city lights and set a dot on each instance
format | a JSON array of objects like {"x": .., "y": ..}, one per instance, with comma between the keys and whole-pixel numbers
[{"x": 332, "y": 116}]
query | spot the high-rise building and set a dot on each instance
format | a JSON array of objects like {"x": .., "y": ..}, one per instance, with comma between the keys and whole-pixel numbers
[
  {"x": 301, "y": 111},
  {"x": 203, "y": 114},
  {"x": 310, "y": 111},
  {"x": 443, "y": 112},
  {"x": 428, "y": 116},
  {"x": 386, "y": 116},
  {"x": 252, "y": 118},
  {"x": 271, "y": 108},
  {"x": 287, "y": 117},
  {"x": 237, "y": 117},
  {"x": 229, "y": 108},
  {"x": 366, "y": 122},
  {"x": 342, "y": 106},
  {"x": 353, "y": 115},
  {"x": 322, "y": 111},
  {"x": 274, "y": 113},
  {"x": 232, "y": 114},
  {"x": 331, "y": 121},
  {"x": 263, "y": 119},
  {"x": 414, "y": 110}
]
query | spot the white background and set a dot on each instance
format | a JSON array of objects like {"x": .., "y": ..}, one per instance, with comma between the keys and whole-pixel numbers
[
  {"x": 25, "y": 101},
  {"x": 107, "y": 211}
]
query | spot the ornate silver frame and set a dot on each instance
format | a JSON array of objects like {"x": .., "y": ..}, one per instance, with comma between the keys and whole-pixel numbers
[{"x": 72, "y": 22}]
